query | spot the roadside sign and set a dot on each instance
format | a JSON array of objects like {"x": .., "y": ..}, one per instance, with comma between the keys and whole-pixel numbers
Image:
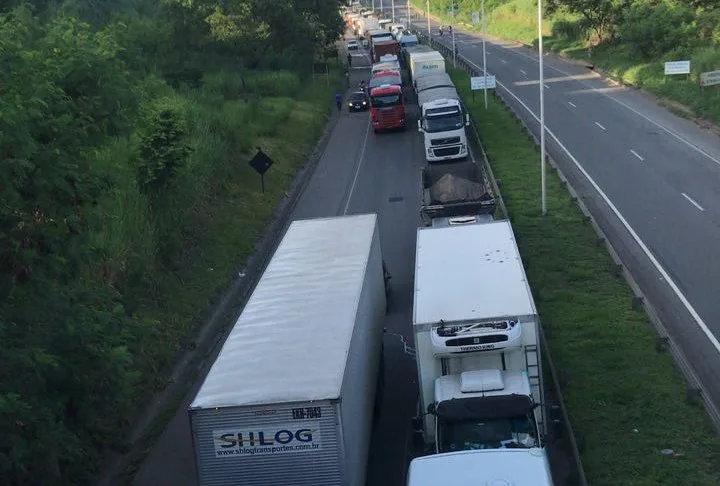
[
  {"x": 710, "y": 78},
  {"x": 677, "y": 67},
  {"x": 482, "y": 82},
  {"x": 476, "y": 17}
]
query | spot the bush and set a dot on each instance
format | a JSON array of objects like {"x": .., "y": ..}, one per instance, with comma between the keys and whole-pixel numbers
[
  {"x": 651, "y": 31},
  {"x": 568, "y": 30}
]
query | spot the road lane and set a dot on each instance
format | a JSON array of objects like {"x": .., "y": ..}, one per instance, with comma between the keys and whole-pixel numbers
[
  {"x": 359, "y": 172},
  {"x": 665, "y": 239}
]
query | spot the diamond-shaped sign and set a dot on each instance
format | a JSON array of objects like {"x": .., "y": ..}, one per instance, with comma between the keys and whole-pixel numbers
[{"x": 261, "y": 162}]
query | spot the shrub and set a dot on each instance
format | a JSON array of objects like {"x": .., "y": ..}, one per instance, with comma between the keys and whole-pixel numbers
[{"x": 651, "y": 31}]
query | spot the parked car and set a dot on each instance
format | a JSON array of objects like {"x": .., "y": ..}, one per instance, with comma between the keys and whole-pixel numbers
[
  {"x": 358, "y": 101},
  {"x": 352, "y": 45}
]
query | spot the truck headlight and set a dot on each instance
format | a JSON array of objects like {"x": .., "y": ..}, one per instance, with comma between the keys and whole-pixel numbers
[{"x": 430, "y": 152}]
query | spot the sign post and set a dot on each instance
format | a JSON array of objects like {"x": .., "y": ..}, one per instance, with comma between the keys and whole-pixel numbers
[
  {"x": 677, "y": 67},
  {"x": 261, "y": 163},
  {"x": 484, "y": 83},
  {"x": 710, "y": 78}
]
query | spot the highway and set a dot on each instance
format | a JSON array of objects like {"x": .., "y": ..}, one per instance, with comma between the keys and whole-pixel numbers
[
  {"x": 651, "y": 180},
  {"x": 359, "y": 172}
]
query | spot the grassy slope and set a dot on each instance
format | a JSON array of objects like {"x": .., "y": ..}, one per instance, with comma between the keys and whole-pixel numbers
[
  {"x": 517, "y": 20},
  {"x": 626, "y": 400},
  {"x": 216, "y": 211}
]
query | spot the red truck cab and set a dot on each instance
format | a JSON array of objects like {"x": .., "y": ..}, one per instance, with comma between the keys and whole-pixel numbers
[{"x": 387, "y": 110}]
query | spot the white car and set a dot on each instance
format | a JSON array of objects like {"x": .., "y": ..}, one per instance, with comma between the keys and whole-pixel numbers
[{"x": 352, "y": 45}]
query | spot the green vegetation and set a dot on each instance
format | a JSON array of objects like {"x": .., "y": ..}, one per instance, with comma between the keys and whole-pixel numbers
[
  {"x": 626, "y": 400},
  {"x": 127, "y": 203},
  {"x": 630, "y": 39}
]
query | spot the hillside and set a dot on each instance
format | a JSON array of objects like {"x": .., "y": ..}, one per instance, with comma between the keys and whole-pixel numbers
[
  {"x": 127, "y": 203},
  {"x": 630, "y": 39}
]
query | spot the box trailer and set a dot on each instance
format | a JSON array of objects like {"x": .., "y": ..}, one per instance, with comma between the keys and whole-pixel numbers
[
  {"x": 477, "y": 342},
  {"x": 290, "y": 398}
]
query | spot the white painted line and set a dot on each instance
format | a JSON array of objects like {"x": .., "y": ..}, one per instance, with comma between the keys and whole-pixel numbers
[
  {"x": 636, "y": 154},
  {"x": 693, "y": 202},
  {"x": 665, "y": 275},
  {"x": 546, "y": 86},
  {"x": 523, "y": 72},
  {"x": 357, "y": 171},
  {"x": 572, "y": 104},
  {"x": 503, "y": 61},
  {"x": 596, "y": 123},
  {"x": 625, "y": 105}
]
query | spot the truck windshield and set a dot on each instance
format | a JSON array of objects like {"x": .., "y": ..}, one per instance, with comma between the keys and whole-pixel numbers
[
  {"x": 516, "y": 432},
  {"x": 380, "y": 101},
  {"x": 443, "y": 121}
]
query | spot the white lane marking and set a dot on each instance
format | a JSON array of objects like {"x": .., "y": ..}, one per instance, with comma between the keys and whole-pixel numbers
[
  {"x": 678, "y": 293},
  {"x": 357, "y": 171},
  {"x": 693, "y": 202},
  {"x": 546, "y": 86},
  {"x": 523, "y": 72},
  {"x": 502, "y": 60},
  {"x": 596, "y": 123},
  {"x": 572, "y": 104},
  {"x": 636, "y": 154},
  {"x": 625, "y": 105}
]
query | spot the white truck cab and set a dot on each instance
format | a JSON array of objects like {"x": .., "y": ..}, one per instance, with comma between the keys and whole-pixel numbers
[
  {"x": 516, "y": 467},
  {"x": 442, "y": 124}
]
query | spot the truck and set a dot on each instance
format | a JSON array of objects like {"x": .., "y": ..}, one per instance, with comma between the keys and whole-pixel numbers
[
  {"x": 455, "y": 194},
  {"x": 442, "y": 120},
  {"x": 387, "y": 108},
  {"x": 383, "y": 47},
  {"x": 368, "y": 24},
  {"x": 291, "y": 396},
  {"x": 477, "y": 345},
  {"x": 424, "y": 63},
  {"x": 519, "y": 467}
]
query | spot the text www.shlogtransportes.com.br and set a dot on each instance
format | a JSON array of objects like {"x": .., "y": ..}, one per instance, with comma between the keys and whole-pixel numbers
[{"x": 266, "y": 450}]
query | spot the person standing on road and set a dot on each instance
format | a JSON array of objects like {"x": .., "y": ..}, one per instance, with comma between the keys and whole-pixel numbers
[
  {"x": 338, "y": 101},
  {"x": 349, "y": 59}
]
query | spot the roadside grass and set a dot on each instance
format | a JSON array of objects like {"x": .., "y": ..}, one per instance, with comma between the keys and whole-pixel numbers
[
  {"x": 517, "y": 21},
  {"x": 625, "y": 400},
  {"x": 173, "y": 259}
]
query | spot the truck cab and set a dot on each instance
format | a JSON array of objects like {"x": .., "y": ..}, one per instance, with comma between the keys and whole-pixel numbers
[
  {"x": 387, "y": 109},
  {"x": 442, "y": 124}
]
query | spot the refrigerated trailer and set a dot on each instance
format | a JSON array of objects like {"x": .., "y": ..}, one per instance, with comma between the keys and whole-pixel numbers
[
  {"x": 290, "y": 398},
  {"x": 477, "y": 343}
]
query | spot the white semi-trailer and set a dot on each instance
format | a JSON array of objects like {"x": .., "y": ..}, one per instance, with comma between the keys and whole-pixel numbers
[
  {"x": 477, "y": 346},
  {"x": 290, "y": 398}
]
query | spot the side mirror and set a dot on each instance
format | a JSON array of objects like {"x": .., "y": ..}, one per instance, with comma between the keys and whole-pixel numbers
[
  {"x": 467, "y": 120},
  {"x": 419, "y": 126},
  {"x": 431, "y": 408}
]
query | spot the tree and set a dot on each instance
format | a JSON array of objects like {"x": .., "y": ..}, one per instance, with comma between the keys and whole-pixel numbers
[{"x": 601, "y": 16}]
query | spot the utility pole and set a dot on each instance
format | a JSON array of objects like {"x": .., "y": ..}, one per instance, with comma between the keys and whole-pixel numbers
[
  {"x": 542, "y": 111},
  {"x": 428, "y": 18},
  {"x": 453, "y": 35},
  {"x": 484, "y": 57},
  {"x": 393, "y": 11}
]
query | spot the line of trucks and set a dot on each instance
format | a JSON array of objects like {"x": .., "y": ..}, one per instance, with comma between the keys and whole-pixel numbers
[
  {"x": 292, "y": 397},
  {"x": 443, "y": 119}
]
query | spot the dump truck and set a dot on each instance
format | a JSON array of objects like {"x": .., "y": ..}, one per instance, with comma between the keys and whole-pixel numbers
[
  {"x": 455, "y": 194},
  {"x": 290, "y": 398}
]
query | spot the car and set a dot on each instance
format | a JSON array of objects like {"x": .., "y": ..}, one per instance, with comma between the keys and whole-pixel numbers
[
  {"x": 358, "y": 101},
  {"x": 352, "y": 45}
]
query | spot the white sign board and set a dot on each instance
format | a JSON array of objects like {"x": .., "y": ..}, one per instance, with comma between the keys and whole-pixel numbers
[
  {"x": 482, "y": 82},
  {"x": 677, "y": 67},
  {"x": 710, "y": 78},
  {"x": 476, "y": 17}
]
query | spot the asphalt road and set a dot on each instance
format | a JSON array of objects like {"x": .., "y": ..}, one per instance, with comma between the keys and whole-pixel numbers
[
  {"x": 360, "y": 172},
  {"x": 651, "y": 179}
]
